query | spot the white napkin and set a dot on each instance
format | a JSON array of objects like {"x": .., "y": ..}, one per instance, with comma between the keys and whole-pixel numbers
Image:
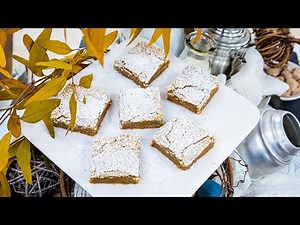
[{"x": 252, "y": 82}]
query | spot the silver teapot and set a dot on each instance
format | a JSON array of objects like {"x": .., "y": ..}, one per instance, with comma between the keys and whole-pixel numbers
[{"x": 230, "y": 43}]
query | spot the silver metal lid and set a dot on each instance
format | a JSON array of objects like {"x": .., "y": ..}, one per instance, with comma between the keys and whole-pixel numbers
[
  {"x": 230, "y": 38},
  {"x": 281, "y": 131}
]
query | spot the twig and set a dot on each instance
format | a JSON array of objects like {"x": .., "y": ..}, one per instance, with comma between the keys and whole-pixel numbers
[
  {"x": 17, "y": 140},
  {"x": 242, "y": 162},
  {"x": 2, "y": 109},
  {"x": 4, "y": 116}
]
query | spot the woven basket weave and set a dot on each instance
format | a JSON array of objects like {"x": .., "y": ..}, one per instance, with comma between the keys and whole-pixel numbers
[{"x": 224, "y": 175}]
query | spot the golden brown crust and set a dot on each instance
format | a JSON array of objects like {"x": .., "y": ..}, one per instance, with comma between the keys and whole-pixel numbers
[
  {"x": 115, "y": 180},
  {"x": 183, "y": 103},
  {"x": 168, "y": 153},
  {"x": 141, "y": 125},
  {"x": 128, "y": 74},
  {"x": 159, "y": 71}
]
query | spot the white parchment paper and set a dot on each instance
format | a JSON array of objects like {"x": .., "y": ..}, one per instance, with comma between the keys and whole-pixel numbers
[{"x": 229, "y": 117}]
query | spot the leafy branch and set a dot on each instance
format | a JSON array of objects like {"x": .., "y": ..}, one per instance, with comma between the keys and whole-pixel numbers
[
  {"x": 34, "y": 102},
  {"x": 4, "y": 33}
]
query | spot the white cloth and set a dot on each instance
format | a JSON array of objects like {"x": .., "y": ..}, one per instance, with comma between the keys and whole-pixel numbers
[{"x": 252, "y": 82}]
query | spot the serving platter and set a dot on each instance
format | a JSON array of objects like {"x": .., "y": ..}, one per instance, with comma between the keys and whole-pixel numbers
[{"x": 229, "y": 117}]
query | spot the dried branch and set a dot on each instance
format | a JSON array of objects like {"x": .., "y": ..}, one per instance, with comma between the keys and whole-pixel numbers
[{"x": 275, "y": 45}]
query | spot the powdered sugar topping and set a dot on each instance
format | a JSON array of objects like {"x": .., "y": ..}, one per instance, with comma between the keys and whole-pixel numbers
[
  {"x": 193, "y": 85},
  {"x": 139, "y": 104},
  {"x": 87, "y": 114},
  {"x": 185, "y": 138},
  {"x": 116, "y": 156},
  {"x": 143, "y": 61}
]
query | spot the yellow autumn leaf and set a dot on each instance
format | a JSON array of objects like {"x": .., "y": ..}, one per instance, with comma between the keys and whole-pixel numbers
[
  {"x": 73, "y": 110},
  {"x": 166, "y": 35},
  {"x": 37, "y": 53},
  {"x": 13, "y": 83},
  {"x": 38, "y": 110},
  {"x": 25, "y": 62},
  {"x": 97, "y": 35},
  {"x": 5, "y": 73},
  {"x": 86, "y": 81},
  {"x": 198, "y": 35},
  {"x": 23, "y": 158},
  {"x": 31, "y": 92},
  {"x": 89, "y": 53},
  {"x": 84, "y": 100},
  {"x": 2, "y": 57},
  {"x": 4, "y": 95},
  {"x": 28, "y": 42},
  {"x": 49, "y": 125},
  {"x": 50, "y": 89},
  {"x": 156, "y": 34},
  {"x": 95, "y": 45},
  {"x": 12, "y": 150},
  {"x": 21, "y": 104},
  {"x": 37, "y": 71},
  {"x": 5, "y": 188},
  {"x": 66, "y": 73},
  {"x": 10, "y": 92},
  {"x": 134, "y": 34},
  {"x": 76, "y": 69},
  {"x": 55, "y": 64},
  {"x": 7, "y": 89},
  {"x": 3, "y": 38},
  {"x": 13, "y": 125},
  {"x": 109, "y": 39},
  {"x": 132, "y": 31},
  {"x": 4, "y": 171},
  {"x": 55, "y": 46},
  {"x": 4, "y": 145}
]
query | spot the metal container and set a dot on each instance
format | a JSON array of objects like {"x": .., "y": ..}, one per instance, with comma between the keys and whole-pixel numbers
[
  {"x": 228, "y": 40},
  {"x": 272, "y": 144}
]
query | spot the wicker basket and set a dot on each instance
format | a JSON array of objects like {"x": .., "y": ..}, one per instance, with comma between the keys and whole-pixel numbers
[{"x": 224, "y": 175}]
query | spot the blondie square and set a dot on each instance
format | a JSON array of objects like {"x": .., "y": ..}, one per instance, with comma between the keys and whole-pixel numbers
[
  {"x": 116, "y": 159},
  {"x": 140, "y": 108},
  {"x": 143, "y": 63},
  {"x": 92, "y": 105},
  {"x": 183, "y": 141},
  {"x": 193, "y": 88}
]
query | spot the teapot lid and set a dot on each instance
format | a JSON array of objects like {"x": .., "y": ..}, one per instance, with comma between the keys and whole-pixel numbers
[{"x": 230, "y": 37}]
